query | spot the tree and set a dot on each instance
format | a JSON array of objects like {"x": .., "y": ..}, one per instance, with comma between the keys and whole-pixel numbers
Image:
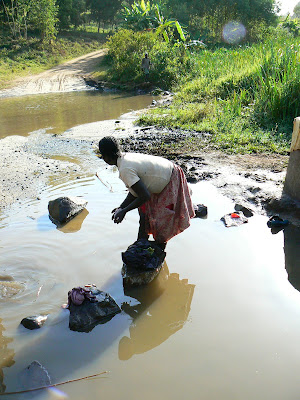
[
  {"x": 22, "y": 15},
  {"x": 70, "y": 12},
  {"x": 44, "y": 17},
  {"x": 297, "y": 10},
  {"x": 103, "y": 10},
  {"x": 143, "y": 15}
]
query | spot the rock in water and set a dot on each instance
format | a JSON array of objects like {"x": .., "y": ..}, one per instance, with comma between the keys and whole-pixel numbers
[
  {"x": 34, "y": 376},
  {"x": 34, "y": 322},
  {"x": 200, "y": 210},
  {"x": 142, "y": 262},
  {"x": 62, "y": 209},
  {"x": 246, "y": 211},
  {"x": 85, "y": 317}
]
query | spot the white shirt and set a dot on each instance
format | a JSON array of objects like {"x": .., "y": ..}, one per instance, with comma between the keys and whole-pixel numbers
[{"x": 155, "y": 172}]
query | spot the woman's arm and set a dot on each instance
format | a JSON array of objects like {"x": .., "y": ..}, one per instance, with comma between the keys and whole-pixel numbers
[{"x": 143, "y": 195}]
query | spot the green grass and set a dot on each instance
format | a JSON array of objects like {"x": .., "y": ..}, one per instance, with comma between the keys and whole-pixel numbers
[
  {"x": 20, "y": 58},
  {"x": 245, "y": 97}
]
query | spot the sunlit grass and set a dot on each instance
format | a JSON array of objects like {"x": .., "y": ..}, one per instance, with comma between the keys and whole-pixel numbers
[{"x": 246, "y": 97}]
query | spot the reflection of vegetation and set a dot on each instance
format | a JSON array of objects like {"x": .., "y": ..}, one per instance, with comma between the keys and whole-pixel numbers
[{"x": 6, "y": 356}]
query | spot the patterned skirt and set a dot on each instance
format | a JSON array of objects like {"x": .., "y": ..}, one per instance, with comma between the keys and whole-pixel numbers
[{"x": 169, "y": 212}]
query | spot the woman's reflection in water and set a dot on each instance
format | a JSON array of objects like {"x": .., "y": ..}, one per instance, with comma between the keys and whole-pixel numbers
[
  {"x": 163, "y": 310},
  {"x": 6, "y": 356}
]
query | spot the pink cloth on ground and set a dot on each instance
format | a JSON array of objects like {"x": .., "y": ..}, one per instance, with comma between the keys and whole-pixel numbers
[{"x": 169, "y": 212}]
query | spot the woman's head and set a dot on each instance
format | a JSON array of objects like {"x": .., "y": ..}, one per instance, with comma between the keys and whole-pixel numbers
[{"x": 109, "y": 149}]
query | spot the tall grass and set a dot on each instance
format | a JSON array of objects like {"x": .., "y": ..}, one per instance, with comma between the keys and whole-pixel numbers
[{"x": 246, "y": 97}]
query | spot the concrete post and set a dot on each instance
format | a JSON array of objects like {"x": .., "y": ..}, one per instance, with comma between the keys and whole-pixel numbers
[{"x": 292, "y": 180}]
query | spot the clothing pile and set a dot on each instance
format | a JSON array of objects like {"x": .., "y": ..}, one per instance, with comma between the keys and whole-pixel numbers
[
  {"x": 79, "y": 294},
  {"x": 143, "y": 254}
]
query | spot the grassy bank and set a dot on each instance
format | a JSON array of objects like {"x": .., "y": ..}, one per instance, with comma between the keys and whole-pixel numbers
[
  {"x": 20, "y": 58},
  {"x": 245, "y": 96}
]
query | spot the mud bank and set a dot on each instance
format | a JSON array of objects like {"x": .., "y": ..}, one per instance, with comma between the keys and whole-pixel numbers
[{"x": 29, "y": 164}]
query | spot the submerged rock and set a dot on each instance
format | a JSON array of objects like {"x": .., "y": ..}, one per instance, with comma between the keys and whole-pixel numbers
[
  {"x": 62, "y": 209},
  {"x": 34, "y": 322},
  {"x": 34, "y": 376},
  {"x": 99, "y": 310}
]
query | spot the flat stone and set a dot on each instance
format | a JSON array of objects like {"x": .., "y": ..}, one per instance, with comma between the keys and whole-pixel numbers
[{"x": 34, "y": 376}]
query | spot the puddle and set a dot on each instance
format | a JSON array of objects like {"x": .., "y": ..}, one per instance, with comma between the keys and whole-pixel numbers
[
  {"x": 221, "y": 320},
  {"x": 57, "y": 112}
]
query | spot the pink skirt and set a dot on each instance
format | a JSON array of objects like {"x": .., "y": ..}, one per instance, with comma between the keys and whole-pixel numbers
[{"x": 169, "y": 212}]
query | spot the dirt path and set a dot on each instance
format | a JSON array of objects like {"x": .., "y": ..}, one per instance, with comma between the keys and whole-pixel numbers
[{"x": 64, "y": 77}]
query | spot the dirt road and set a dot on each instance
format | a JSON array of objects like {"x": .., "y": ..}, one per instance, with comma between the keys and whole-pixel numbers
[{"x": 62, "y": 78}]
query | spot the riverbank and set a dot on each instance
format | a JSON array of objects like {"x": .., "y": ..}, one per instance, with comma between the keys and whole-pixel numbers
[{"x": 29, "y": 164}]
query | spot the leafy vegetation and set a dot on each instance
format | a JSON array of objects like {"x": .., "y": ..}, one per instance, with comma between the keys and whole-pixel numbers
[
  {"x": 245, "y": 97},
  {"x": 242, "y": 87},
  {"x": 126, "y": 49},
  {"x": 148, "y": 16}
]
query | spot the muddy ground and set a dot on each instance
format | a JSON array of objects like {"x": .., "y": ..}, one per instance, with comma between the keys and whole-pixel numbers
[{"x": 28, "y": 164}]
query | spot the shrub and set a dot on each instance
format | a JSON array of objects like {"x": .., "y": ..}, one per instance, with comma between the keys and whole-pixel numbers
[{"x": 127, "y": 48}]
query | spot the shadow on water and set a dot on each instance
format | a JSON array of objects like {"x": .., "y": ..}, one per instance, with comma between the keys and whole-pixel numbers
[
  {"x": 163, "y": 309},
  {"x": 292, "y": 254}
]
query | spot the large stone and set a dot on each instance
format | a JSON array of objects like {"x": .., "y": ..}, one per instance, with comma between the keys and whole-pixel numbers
[
  {"x": 34, "y": 376},
  {"x": 86, "y": 316},
  {"x": 62, "y": 209},
  {"x": 34, "y": 322},
  {"x": 141, "y": 270},
  {"x": 135, "y": 277},
  {"x": 292, "y": 179}
]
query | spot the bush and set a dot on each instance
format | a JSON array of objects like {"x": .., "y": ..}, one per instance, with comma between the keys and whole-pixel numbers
[{"x": 127, "y": 48}]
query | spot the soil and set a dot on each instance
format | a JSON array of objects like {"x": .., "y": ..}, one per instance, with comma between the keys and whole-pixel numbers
[
  {"x": 64, "y": 77},
  {"x": 28, "y": 163}
]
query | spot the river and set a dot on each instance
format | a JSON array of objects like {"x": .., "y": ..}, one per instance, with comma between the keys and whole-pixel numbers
[{"x": 222, "y": 320}]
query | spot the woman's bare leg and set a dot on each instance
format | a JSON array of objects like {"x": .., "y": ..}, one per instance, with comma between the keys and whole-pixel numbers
[{"x": 142, "y": 228}]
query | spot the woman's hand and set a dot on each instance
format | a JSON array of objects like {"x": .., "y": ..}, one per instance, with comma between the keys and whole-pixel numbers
[{"x": 118, "y": 215}]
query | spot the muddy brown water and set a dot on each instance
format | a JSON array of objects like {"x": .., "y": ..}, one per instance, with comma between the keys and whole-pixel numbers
[
  {"x": 222, "y": 321},
  {"x": 57, "y": 112}
]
